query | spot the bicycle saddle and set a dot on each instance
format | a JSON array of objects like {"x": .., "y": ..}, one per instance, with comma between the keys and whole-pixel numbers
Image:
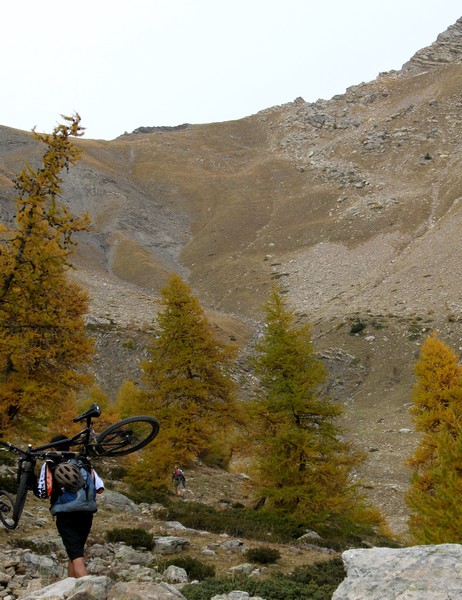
[{"x": 93, "y": 411}]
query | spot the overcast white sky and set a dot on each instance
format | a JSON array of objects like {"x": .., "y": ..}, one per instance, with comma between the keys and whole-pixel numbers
[{"x": 165, "y": 62}]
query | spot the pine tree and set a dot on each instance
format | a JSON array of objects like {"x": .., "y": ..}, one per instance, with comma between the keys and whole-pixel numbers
[
  {"x": 188, "y": 384},
  {"x": 44, "y": 346},
  {"x": 304, "y": 463},
  {"x": 436, "y": 516},
  {"x": 434, "y": 494}
]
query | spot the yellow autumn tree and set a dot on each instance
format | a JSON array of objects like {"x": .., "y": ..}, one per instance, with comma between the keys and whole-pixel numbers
[
  {"x": 188, "y": 385},
  {"x": 434, "y": 494},
  {"x": 44, "y": 346}
]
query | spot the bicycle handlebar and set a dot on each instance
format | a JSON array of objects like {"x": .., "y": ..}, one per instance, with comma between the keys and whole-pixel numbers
[
  {"x": 37, "y": 453},
  {"x": 40, "y": 452}
]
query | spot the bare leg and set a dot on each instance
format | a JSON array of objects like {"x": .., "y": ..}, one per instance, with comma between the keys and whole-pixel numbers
[{"x": 76, "y": 568}]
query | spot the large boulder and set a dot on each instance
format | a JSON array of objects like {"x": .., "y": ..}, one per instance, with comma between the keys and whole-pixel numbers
[
  {"x": 89, "y": 587},
  {"x": 415, "y": 573},
  {"x": 111, "y": 500}
]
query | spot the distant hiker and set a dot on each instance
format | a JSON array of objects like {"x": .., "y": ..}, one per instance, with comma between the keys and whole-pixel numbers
[
  {"x": 71, "y": 485},
  {"x": 179, "y": 481}
]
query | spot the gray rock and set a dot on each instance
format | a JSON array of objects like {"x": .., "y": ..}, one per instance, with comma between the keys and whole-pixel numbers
[
  {"x": 144, "y": 591},
  {"x": 245, "y": 568},
  {"x": 111, "y": 500},
  {"x": 175, "y": 525},
  {"x": 130, "y": 556},
  {"x": 85, "y": 588},
  {"x": 91, "y": 588},
  {"x": 310, "y": 535},
  {"x": 169, "y": 544},
  {"x": 416, "y": 573},
  {"x": 234, "y": 545},
  {"x": 173, "y": 574},
  {"x": 45, "y": 565}
]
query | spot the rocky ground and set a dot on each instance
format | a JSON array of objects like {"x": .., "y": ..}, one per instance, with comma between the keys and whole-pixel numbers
[{"x": 32, "y": 556}]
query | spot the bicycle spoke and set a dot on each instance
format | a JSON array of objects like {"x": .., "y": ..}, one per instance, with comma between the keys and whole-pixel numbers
[{"x": 127, "y": 436}]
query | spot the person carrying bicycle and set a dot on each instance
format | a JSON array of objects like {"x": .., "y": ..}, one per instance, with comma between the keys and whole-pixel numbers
[{"x": 72, "y": 486}]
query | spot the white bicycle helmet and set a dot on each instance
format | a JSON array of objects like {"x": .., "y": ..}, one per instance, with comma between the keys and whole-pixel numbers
[{"x": 68, "y": 476}]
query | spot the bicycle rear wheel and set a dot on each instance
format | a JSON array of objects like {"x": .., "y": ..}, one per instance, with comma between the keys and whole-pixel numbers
[
  {"x": 127, "y": 436},
  {"x": 6, "y": 510}
]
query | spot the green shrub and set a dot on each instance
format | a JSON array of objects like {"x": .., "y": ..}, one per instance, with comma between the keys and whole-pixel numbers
[
  {"x": 357, "y": 327},
  {"x": 241, "y": 522},
  {"x": 218, "y": 454},
  {"x": 277, "y": 588},
  {"x": 331, "y": 572},
  {"x": 193, "y": 567},
  {"x": 148, "y": 494},
  {"x": 137, "y": 538},
  {"x": 8, "y": 458},
  {"x": 274, "y": 527},
  {"x": 42, "y": 548},
  {"x": 8, "y": 483},
  {"x": 116, "y": 472},
  {"x": 263, "y": 555}
]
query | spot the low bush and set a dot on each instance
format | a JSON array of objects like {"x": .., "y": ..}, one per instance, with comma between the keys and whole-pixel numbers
[
  {"x": 257, "y": 525},
  {"x": 313, "y": 582},
  {"x": 135, "y": 537},
  {"x": 263, "y": 555},
  {"x": 357, "y": 327},
  {"x": 148, "y": 494},
  {"x": 218, "y": 454},
  {"x": 193, "y": 567},
  {"x": 9, "y": 483},
  {"x": 8, "y": 458},
  {"x": 331, "y": 572},
  {"x": 115, "y": 472},
  {"x": 36, "y": 547},
  {"x": 267, "y": 525}
]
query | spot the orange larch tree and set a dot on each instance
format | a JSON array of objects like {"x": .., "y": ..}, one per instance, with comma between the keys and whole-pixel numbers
[
  {"x": 436, "y": 484},
  {"x": 44, "y": 346}
]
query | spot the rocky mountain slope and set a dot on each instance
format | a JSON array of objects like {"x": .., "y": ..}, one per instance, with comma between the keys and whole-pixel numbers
[{"x": 352, "y": 204}]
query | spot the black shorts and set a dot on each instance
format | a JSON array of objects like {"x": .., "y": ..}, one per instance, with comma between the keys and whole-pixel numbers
[{"x": 74, "y": 527}]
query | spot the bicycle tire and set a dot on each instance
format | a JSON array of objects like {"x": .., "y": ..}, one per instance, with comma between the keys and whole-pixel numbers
[
  {"x": 6, "y": 510},
  {"x": 127, "y": 436},
  {"x": 20, "y": 496}
]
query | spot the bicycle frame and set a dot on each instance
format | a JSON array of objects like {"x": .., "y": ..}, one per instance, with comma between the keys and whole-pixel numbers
[
  {"x": 121, "y": 438},
  {"x": 28, "y": 459}
]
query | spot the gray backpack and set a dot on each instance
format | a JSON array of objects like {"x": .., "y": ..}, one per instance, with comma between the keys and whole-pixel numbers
[{"x": 81, "y": 499}]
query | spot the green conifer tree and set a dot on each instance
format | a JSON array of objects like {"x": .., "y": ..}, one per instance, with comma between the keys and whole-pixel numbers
[
  {"x": 188, "y": 386},
  {"x": 44, "y": 347},
  {"x": 434, "y": 494},
  {"x": 304, "y": 463}
]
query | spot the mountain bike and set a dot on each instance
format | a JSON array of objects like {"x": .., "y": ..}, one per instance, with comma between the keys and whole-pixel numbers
[{"x": 121, "y": 438}]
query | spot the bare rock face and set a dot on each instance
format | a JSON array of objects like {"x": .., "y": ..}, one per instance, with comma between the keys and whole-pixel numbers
[
  {"x": 416, "y": 573},
  {"x": 447, "y": 49}
]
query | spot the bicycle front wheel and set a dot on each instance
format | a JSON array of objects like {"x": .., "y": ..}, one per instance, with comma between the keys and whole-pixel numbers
[
  {"x": 6, "y": 510},
  {"x": 20, "y": 496},
  {"x": 127, "y": 436}
]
